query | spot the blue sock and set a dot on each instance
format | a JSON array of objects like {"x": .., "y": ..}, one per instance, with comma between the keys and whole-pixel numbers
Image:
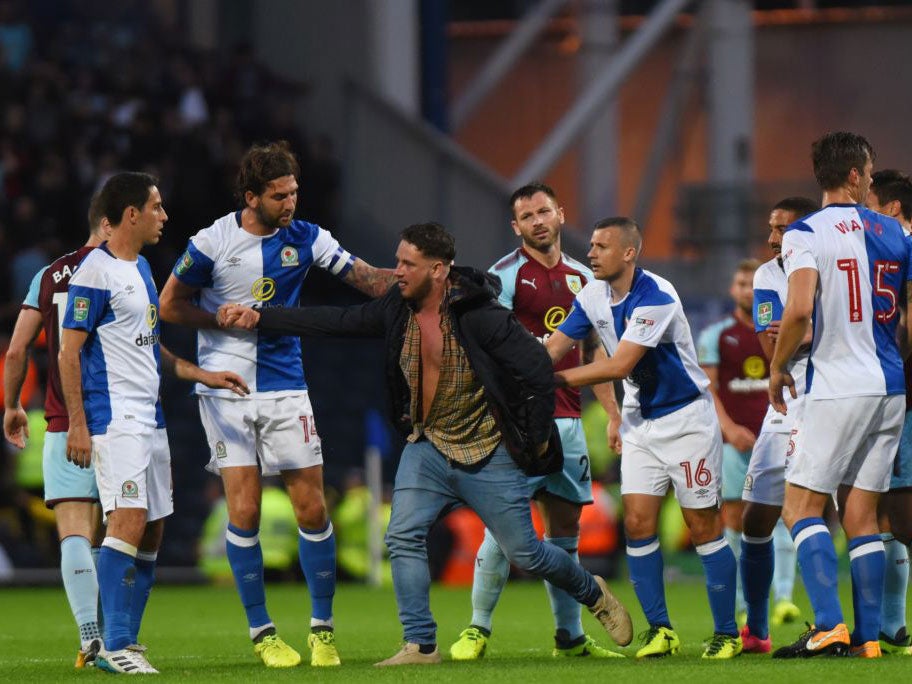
[
  {"x": 317, "y": 553},
  {"x": 116, "y": 573},
  {"x": 817, "y": 561},
  {"x": 734, "y": 543},
  {"x": 757, "y": 574},
  {"x": 565, "y": 608},
  {"x": 96, "y": 551},
  {"x": 80, "y": 582},
  {"x": 786, "y": 565},
  {"x": 145, "y": 578},
  {"x": 491, "y": 572},
  {"x": 867, "y": 558},
  {"x": 646, "y": 568},
  {"x": 721, "y": 571},
  {"x": 896, "y": 584},
  {"x": 246, "y": 560}
]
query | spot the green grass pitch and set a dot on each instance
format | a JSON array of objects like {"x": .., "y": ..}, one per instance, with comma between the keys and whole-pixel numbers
[{"x": 198, "y": 634}]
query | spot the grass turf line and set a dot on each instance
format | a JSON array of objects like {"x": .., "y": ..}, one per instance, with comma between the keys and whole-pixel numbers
[{"x": 199, "y": 634}]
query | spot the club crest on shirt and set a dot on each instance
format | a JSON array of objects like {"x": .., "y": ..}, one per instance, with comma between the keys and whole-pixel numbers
[
  {"x": 184, "y": 264},
  {"x": 289, "y": 256},
  {"x": 574, "y": 283},
  {"x": 220, "y": 450},
  {"x": 129, "y": 490},
  {"x": 263, "y": 289},
  {"x": 80, "y": 308},
  {"x": 765, "y": 313}
]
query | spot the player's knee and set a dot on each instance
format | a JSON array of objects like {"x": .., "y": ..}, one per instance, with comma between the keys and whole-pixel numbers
[
  {"x": 245, "y": 514},
  {"x": 311, "y": 515},
  {"x": 638, "y": 525}
]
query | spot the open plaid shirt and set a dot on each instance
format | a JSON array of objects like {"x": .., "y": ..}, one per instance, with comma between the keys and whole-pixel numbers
[{"x": 459, "y": 423}]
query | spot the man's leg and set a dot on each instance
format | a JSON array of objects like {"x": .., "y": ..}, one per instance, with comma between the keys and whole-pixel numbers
[
  {"x": 146, "y": 556},
  {"x": 719, "y": 565},
  {"x": 317, "y": 555},
  {"x": 784, "y": 572},
  {"x": 561, "y": 518},
  {"x": 734, "y": 469},
  {"x": 421, "y": 493},
  {"x": 77, "y": 523},
  {"x": 867, "y": 558},
  {"x": 492, "y": 569},
  {"x": 497, "y": 493},
  {"x": 897, "y": 505},
  {"x": 117, "y": 573},
  {"x": 757, "y": 564}
]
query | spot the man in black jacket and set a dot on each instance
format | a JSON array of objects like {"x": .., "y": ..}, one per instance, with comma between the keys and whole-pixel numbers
[{"x": 473, "y": 393}]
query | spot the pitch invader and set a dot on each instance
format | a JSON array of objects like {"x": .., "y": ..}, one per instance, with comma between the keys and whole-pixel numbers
[
  {"x": 111, "y": 361},
  {"x": 669, "y": 427},
  {"x": 69, "y": 491},
  {"x": 539, "y": 283},
  {"x": 259, "y": 255},
  {"x": 731, "y": 356},
  {"x": 891, "y": 194},
  {"x": 847, "y": 268},
  {"x": 767, "y": 552}
]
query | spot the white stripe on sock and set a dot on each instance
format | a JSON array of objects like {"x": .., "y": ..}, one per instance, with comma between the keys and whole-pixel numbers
[
  {"x": 755, "y": 540},
  {"x": 147, "y": 555},
  {"x": 710, "y": 548},
  {"x": 866, "y": 548},
  {"x": 317, "y": 536},
  {"x": 810, "y": 531},
  {"x": 119, "y": 545},
  {"x": 637, "y": 551},
  {"x": 238, "y": 540}
]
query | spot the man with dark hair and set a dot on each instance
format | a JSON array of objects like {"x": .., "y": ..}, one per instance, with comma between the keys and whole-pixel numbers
[
  {"x": 473, "y": 394},
  {"x": 69, "y": 491},
  {"x": 847, "y": 269},
  {"x": 260, "y": 254},
  {"x": 891, "y": 194},
  {"x": 767, "y": 552},
  {"x": 538, "y": 282},
  {"x": 669, "y": 428},
  {"x": 111, "y": 360}
]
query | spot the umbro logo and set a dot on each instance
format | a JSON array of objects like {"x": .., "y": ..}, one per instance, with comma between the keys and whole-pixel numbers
[
  {"x": 129, "y": 289},
  {"x": 233, "y": 261},
  {"x": 531, "y": 283}
]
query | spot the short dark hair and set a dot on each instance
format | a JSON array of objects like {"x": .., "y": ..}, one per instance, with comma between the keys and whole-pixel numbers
[
  {"x": 630, "y": 229},
  {"x": 799, "y": 206},
  {"x": 836, "y": 154},
  {"x": 262, "y": 164},
  {"x": 891, "y": 185},
  {"x": 96, "y": 212},
  {"x": 529, "y": 189},
  {"x": 432, "y": 240},
  {"x": 123, "y": 190}
]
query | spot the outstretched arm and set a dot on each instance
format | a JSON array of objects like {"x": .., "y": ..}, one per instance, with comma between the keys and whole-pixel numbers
[
  {"x": 616, "y": 367},
  {"x": 176, "y": 305},
  {"x": 371, "y": 280},
  {"x": 185, "y": 370}
]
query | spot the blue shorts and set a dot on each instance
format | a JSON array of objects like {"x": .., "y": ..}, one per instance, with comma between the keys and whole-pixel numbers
[
  {"x": 734, "y": 470},
  {"x": 64, "y": 481},
  {"x": 902, "y": 466},
  {"x": 574, "y": 482}
]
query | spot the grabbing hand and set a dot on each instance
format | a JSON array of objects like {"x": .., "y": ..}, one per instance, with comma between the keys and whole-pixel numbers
[
  {"x": 237, "y": 316},
  {"x": 225, "y": 380}
]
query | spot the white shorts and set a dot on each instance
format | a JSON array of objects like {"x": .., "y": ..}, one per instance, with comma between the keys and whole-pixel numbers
[
  {"x": 133, "y": 469},
  {"x": 850, "y": 441},
  {"x": 275, "y": 433},
  {"x": 765, "y": 481},
  {"x": 683, "y": 448}
]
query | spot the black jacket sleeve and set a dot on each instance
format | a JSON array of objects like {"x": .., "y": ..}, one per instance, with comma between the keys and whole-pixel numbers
[{"x": 362, "y": 320}]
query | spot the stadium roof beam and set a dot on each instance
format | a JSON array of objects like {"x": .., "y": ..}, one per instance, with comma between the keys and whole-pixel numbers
[
  {"x": 503, "y": 59},
  {"x": 601, "y": 91}
]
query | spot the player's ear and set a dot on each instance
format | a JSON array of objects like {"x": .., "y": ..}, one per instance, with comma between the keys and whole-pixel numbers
[{"x": 252, "y": 200}]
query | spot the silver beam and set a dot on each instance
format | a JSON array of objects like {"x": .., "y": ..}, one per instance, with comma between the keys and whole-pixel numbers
[
  {"x": 503, "y": 59},
  {"x": 588, "y": 105}
]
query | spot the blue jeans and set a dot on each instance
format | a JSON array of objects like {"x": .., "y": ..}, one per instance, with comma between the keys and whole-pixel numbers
[{"x": 426, "y": 485}]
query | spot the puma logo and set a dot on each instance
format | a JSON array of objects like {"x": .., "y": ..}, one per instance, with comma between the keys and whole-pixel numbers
[{"x": 528, "y": 282}]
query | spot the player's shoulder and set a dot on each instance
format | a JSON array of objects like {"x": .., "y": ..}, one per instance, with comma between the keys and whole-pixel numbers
[
  {"x": 220, "y": 232},
  {"x": 651, "y": 289},
  {"x": 714, "y": 330},
  {"x": 574, "y": 265},
  {"x": 769, "y": 274},
  {"x": 301, "y": 232},
  {"x": 509, "y": 262}
]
